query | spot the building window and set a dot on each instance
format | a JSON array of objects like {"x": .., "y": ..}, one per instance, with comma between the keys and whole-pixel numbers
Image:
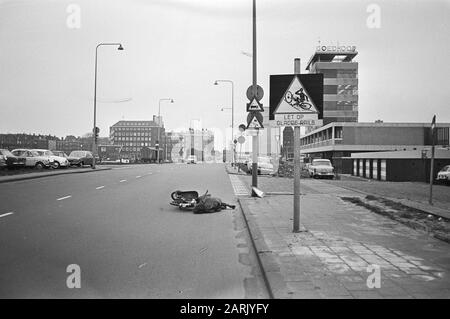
[{"x": 338, "y": 132}]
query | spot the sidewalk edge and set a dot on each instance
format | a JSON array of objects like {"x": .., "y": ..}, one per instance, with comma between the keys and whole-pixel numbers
[
  {"x": 272, "y": 277},
  {"x": 25, "y": 177}
]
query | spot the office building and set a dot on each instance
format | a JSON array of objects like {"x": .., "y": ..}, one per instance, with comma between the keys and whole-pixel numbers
[{"x": 340, "y": 99}]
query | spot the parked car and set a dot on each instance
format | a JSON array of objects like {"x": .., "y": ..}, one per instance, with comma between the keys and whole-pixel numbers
[
  {"x": 80, "y": 158},
  {"x": 191, "y": 159},
  {"x": 33, "y": 159},
  {"x": 321, "y": 168},
  {"x": 60, "y": 154},
  {"x": 444, "y": 174},
  {"x": 7, "y": 159},
  {"x": 265, "y": 165},
  {"x": 58, "y": 161}
]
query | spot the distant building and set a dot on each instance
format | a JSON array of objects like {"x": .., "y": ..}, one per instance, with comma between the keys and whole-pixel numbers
[
  {"x": 135, "y": 135},
  {"x": 200, "y": 143},
  {"x": 13, "y": 141}
]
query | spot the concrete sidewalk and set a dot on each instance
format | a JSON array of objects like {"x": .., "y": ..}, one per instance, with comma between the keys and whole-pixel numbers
[
  {"x": 33, "y": 175},
  {"x": 331, "y": 258}
]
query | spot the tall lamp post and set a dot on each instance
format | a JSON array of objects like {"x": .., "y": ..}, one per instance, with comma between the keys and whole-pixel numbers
[
  {"x": 94, "y": 130},
  {"x": 232, "y": 114},
  {"x": 159, "y": 124}
]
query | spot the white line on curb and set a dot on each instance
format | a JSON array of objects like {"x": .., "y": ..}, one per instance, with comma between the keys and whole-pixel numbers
[
  {"x": 65, "y": 197},
  {"x": 7, "y": 214},
  {"x": 100, "y": 187}
]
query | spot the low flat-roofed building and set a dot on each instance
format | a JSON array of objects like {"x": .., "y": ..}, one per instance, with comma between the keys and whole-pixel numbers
[
  {"x": 399, "y": 166},
  {"x": 337, "y": 141}
]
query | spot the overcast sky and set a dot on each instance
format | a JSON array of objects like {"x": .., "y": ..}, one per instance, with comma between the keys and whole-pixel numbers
[{"x": 177, "y": 48}]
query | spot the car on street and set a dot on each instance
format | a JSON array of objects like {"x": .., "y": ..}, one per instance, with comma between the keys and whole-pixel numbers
[
  {"x": 60, "y": 154},
  {"x": 33, "y": 159},
  {"x": 80, "y": 158},
  {"x": 191, "y": 159},
  {"x": 444, "y": 174},
  {"x": 321, "y": 168},
  {"x": 58, "y": 161},
  {"x": 7, "y": 159},
  {"x": 265, "y": 165}
]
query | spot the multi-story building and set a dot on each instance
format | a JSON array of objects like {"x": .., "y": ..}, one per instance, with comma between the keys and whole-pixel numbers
[
  {"x": 135, "y": 135},
  {"x": 339, "y": 140},
  {"x": 340, "y": 99}
]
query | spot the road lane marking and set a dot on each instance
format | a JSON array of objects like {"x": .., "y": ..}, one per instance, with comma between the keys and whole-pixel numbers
[
  {"x": 139, "y": 176},
  {"x": 123, "y": 180},
  {"x": 100, "y": 187},
  {"x": 65, "y": 197},
  {"x": 7, "y": 214}
]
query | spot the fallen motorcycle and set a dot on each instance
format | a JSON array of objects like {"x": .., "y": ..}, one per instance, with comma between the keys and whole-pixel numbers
[{"x": 190, "y": 200}]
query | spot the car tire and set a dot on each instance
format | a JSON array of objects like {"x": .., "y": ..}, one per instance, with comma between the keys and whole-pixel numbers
[
  {"x": 39, "y": 165},
  {"x": 56, "y": 165}
]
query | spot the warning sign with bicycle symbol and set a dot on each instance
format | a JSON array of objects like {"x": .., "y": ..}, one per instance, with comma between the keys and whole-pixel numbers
[
  {"x": 296, "y": 100},
  {"x": 294, "y": 97}
]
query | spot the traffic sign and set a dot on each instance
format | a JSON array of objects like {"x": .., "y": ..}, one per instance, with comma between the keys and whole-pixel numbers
[
  {"x": 254, "y": 120},
  {"x": 241, "y": 139},
  {"x": 297, "y": 120},
  {"x": 259, "y": 93},
  {"x": 254, "y": 106},
  {"x": 308, "y": 100},
  {"x": 242, "y": 127},
  {"x": 296, "y": 100}
]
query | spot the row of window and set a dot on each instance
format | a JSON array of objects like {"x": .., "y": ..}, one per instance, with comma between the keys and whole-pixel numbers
[
  {"x": 134, "y": 123},
  {"x": 132, "y": 139},
  {"x": 132, "y": 134},
  {"x": 340, "y": 74},
  {"x": 134, "y": 129},
  {"x": 135, "y": 144}
]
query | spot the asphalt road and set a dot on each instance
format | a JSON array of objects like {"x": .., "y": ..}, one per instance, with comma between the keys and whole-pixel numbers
[{"x": 118, "y": 226}]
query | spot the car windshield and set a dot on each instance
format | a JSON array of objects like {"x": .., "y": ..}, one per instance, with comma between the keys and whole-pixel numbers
[
  {"x": 446, "y": 169},
  {"x": 6, "y": 153},
  {"x": 77, "y": 154},
  {"x": 264, "y": 160},
  {"x": 323, "y": 163}
]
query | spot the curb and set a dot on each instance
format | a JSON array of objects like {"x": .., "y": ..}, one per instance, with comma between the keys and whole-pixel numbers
[
  {"x": 25, "y": 177},
  {"x": 270, "y": 268}
]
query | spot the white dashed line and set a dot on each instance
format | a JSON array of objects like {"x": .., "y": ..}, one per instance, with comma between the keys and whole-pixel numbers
[
  {"x": 7, "y": 214},
  {"x": 123, "y": 180},
  {"x": 139, "y": 176},
  {"x": 100, "y": 187},
  {"x": 65, "y": 197}
]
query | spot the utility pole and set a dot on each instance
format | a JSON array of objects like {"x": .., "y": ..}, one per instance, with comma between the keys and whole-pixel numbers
[
  {"x": 433, "y": 130},
  {"x": 296, "y": 227},
  {"x": 255, "y": 137}
]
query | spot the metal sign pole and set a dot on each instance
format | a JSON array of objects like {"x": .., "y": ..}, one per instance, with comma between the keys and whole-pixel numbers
[
  {"x": 255, "y": 137},
  {"x": 433, "y": 129},
  {"x": 296, "y": 226}
]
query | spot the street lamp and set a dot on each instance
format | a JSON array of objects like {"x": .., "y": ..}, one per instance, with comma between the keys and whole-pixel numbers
[
  {"x": 232, "y": 113},
  {"x": 159, "y": 124},
  {"x": 94, "y": 131}
]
